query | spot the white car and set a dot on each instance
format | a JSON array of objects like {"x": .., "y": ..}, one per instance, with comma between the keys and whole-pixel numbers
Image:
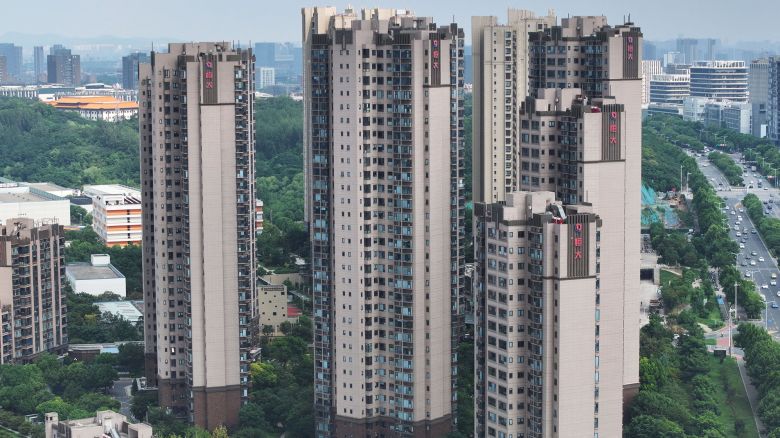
[
  {"x": 741, "y": 210},
  {"x": 760, "y": 259},
  {"x": 733, "y": 212},
  {"x": 739, "y": 234},
  {"x": 747, "y": 274},
  {"x": 764, "y": 286},
  {"x": 741, "y": 246},
  {"x": 773, "y": 283},
  {"x": 778, "y": 293},
  {"x": 752, "y": 263}
]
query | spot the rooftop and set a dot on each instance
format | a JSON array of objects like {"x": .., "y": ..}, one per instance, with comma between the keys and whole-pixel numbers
[
  {"x": 14, "y": 193},
  {"x": 125, "y": 309},
  {"x": 92, "y": 102},
  {"x": 86, "y": 271},
  {"x": 111, "y": 189}
]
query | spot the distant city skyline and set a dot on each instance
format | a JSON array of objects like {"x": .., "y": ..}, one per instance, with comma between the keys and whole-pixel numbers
[{"x": 280, "y": 21}]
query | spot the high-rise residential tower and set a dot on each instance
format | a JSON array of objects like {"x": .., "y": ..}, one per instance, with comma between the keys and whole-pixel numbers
[
  {"x": 197, "y": 180},
  {"x": 63, "y": 67},
  {"x": 130, "y": 69},
  {"x": 13, "y": 57},
  {"x": 32, "y": 305},
  {"x": 500, "y": 53},
  {"x": 650, "y": 68},
  {"x": 557, "y": 265},
  {"x": 758, "y": 90},
  {"x": 383, "y": 149},
  {"x": 773, "y": 100},
  {"x": 39, "y": 65}
]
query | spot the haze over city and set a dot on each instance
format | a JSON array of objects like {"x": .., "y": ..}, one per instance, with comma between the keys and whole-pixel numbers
[{"x": 265, "y": 20}]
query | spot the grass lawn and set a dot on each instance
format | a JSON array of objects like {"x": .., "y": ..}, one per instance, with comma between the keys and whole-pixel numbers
[
  {"x": 713, "y": 320},
  {"x": 667, "y": 276},
  {"x": 711, "y": 341},
  {"x": 735, "y": 410}
]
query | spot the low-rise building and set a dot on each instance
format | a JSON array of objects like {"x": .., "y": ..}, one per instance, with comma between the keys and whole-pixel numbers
[
  {"x": 19, "y": 200},
  {"x": 104, "y": 424},
  {"x": 105, "y": 108},
  {"x": 122, "y": 309},
  {"x": 32, "y": 305},
  {"x": 96, "y": 277},
  {"x": 116, "y": 214},
  {"x": 273, "y": 302}
]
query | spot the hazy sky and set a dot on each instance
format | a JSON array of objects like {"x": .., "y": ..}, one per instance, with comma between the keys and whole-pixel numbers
[{"x": 279, "y": 20}]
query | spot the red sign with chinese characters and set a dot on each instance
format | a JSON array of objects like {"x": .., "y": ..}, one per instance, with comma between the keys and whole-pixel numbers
[
  {"x": 577, "y": 241},
  {"x": 208, "y": 74},
  {"x": 630, "y": 48},
  {"x": 435, "y": 54}
]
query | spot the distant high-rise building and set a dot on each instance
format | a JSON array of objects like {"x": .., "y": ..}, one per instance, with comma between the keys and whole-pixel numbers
[
  {"x": 773, "y": 101},
  {"x": 130, "y": 69},
  {"x": 673, "y": 58},
  {"x": 264, "y": 54},
  {"x": 720, "y": 80},
  {"x": 63, "y": 67},
  {"x": 32, "y": 302},
  {"x": 39, "y": 64},
  {"x": 649, "y": 51},
  {"x": 265, "y": 77},
  {"x": 198, "y": 197},
  {"x": 689, "y": 50},
  {"x": 500, "y": 51},
  {"x": 383, "y": 154},
  {"x": 557, "y": 271},
  {"x": 669, "y": 89},
  {"x": 758, "y": 87},
  {"x": 3, "y": 70},
  {"x": 13, "y": 58},
  {"x": 710, "y": 53},
  {"x": 649, "y": 68}
]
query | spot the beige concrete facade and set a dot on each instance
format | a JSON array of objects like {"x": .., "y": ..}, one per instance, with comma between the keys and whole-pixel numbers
[
  {"x": 383, "y": 145},
  {"x": 272, "y": 307},
  {"x": 197, "y": 151},
  {"x": 500, "y": 53},
  {"x": 580, "y": 138},
  {"x": 546, "y": 258},
  {"x": 32, "y": 305}
]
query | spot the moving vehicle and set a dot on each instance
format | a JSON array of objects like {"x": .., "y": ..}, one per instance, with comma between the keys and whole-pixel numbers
[
  {"x": 753, "y": 253},
  {"x": 774, "y": 275},
  {"x": 774, "y": 305},
  {"x": 752, "y": 263},
  {"x": 741, "y": 246},
  {"x": 773, "y": 282},
  {"x": 760, "y": 259},
  {"x": 764, "y": 286}
]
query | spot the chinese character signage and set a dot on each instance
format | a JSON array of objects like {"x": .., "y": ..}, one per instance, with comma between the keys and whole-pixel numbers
[
  {"x": 631, "y": 55},
  {"x": 612, "y": 132},
  {"x": 435, "y": 71},
  {"x": 579, "y": 243},
  {"x": 209, "y": 79}
]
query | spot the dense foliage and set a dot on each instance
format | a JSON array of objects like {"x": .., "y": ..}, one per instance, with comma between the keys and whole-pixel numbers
[
  {"x": 726, "y": 164},
  {"x": 40, "y": 143},
  {"x": 73, "y": 390},
  {"x": 127, "y": 260},
  {"x": 86, "y": 325},
  {"x": 684, "y": 390},
  {"x": 280, "y": 182},
  {"x": 762, "y": 355}
]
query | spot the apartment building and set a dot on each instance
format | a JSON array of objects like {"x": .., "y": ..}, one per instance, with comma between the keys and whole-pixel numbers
[
  {"x": 198, "y": 198},
  {"x": 539, "y": 289},
  {"x": 500, "y": 54},
  {"x": 63, "y": 67},
  {"x": 580, "y": 138},
  {"x": 130, "y": 69},
  {"x": 383, "y": 146},
  {"x": 773, "y": 100},
  {"x": 13, "y": 57},
  {"x": 116, "y": 213},
  {"x": 758, "y": 88},
  {"x": 32, "y": 305},
  {"x": 720, "y": 80}
]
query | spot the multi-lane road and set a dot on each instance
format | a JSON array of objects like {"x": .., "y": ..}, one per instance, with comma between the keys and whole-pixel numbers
[{"x": 754, "y": 257}]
